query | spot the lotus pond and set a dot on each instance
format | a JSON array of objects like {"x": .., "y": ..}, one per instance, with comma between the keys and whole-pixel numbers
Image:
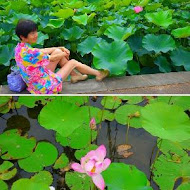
[
  {"x": 105, "y": 34},
  {"x": 143, "y": 142}
]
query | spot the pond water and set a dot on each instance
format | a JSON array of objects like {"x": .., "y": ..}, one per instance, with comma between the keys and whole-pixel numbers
[{"x": 111, "y": 135}]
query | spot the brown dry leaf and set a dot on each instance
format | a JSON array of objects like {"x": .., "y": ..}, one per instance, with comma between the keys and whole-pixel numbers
[{"x": 122, "y": 150}]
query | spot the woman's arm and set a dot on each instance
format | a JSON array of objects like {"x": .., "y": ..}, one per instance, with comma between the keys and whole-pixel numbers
[
  {"x": 48, "y": 50},
  {"x": 56, "y": 57}
]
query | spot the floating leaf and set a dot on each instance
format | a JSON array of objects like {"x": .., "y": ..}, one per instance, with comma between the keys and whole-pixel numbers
[
  {"x": 110, "y": 55},
  {"x": 13, "y": 146},
  {"x": 160, "y": 18},
  {"x": 61, "y": 162},
  {"x": 88, "y": 44},
  {"x": 77, "y": 100},
  {"x": 129, "y": 114},
  {"x": 72, "y": 33},
  {"x": 167, "y": 171},
  {"x": 83, "y": 133},
  {"x": 132, "y": 99},
  {"x": 181, "y": 32},
  {"x": 62, "y": 117},
  {"x": 176, "y": 57},
  {"x": 106, "y": 115},
  {"x": 160, "y": 120},
  {"x": 122, "y": 176},
  {"x": 160, "y": 43},
  {"x": 3, "y": 185},
  {"x": 164, "y": 65},
  {"x": 82, "y": 19},
  {"x": 76, "y": 181},
  {"x": 111, "y": 102},
  {"x": 82, "y": 152},
  {"x": 5, "y": 102},
  {"x": 45, "y": 154},
  {"x": 6, "y": 171}
]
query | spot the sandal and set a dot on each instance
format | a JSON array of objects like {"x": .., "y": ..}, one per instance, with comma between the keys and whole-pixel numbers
[{"x": 103, "y": 75}]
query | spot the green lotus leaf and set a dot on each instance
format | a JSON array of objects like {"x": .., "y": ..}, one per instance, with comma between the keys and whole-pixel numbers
[
  {"x": 42, "y": 177},
  {"x": 119, "y": 33},
  {"x": 6, "y": 170},
  {"x": 160, "y": 18},
  {"x": 13, "y": 146},
  {"x": 30, "y": 101},
  {"x": 106, "y": 56},
  {"x": 106, "y": 115},
  {"x": 129, "y": 114},
  {"x": 135, "y": 43},
  {"x": 41, "y": 38},
  {"x": 77, "y": 100},
  {"x": 64, "y": 13},
  {"x": 143, "y": 3},
  {"x": 181, "y": 32},
  {"x": 3, "y": 185},
  {"x": 167, "y": 171},
  {"x": 82, "y": 19},
  {"x": 160, "y": 43},
  {"x": 111, "y": 102},
  {"x": 73, "y": 33},
  {"x": 153, "y": 6},
  {"x": 45, "y": 154},
  {"x": 133, "y": 67},
  {"x": 166, "y": 121},
  {"x": 62, "y": 117},
  {"x": 87, "y": 45},
  {"x": 83, "y": 133},
  {"x": 176, "y": 57},
  {"x": 82, "y": 152},
  {"x": 6, "y": 54},
  {"x": 147, "y": 61},
  {"x": 184, "y": 186},
  {"x": 61, "y": 162},
  {"x": 4, "y": 104},
  {"x": 55, "y": 23},
  {"x": 164, "y": 65},
  {"x": 76, "y": 181},
  {"x": 90, "y": 17},
  {"x": 23, "y": 184},
  {"x": 123, "y": 176},
  {"x": 132, "y": 99},
  {"x": 174, "y": 148}
]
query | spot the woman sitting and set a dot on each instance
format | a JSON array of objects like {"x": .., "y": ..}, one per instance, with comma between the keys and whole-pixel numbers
[{"x": 37, "y": 66}]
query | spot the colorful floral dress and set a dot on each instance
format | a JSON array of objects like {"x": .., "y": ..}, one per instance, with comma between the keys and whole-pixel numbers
[{"x": 32, "y": 66}]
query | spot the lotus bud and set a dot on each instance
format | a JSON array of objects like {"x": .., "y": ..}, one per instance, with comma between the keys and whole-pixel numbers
[
  {"x": 93, "y": 124},
  {"x": 138, "y": 9}
]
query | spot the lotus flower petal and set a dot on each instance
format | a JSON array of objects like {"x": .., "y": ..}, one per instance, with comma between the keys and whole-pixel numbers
[
  {"x": 77, "y": 167},
  {"x": 138, "y": 9},
  {"x": 99, "y": 181},
  {"x": 101, "y": 152}
]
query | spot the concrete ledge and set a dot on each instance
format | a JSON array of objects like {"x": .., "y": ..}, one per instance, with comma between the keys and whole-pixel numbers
[{"x": 161, "y": 83}]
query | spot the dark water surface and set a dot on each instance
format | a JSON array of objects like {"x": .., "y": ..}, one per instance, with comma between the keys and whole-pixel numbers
[{"x": 111, "y": 134}]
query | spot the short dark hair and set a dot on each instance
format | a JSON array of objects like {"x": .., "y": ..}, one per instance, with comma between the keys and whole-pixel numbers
[{"x": 24, "y": 27}]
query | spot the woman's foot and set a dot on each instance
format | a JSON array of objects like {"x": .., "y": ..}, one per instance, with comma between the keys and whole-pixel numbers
[
  {"x": 77, "y": 78},
  {"x": 103, "y": 74}
]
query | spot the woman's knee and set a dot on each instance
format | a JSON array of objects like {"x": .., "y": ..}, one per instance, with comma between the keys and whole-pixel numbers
[{"x": 56, "y": 51}]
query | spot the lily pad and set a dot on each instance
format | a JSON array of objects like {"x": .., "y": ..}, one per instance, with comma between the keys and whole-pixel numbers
[
  {"x": 167, "y": 171},
  {"x": 166, "y": 121},
  {"x": 164, "y": 65},
  {"x": 181, "y": 32},
  {"x": 82, "y": 19},
  {"x": 72, "y": 33},
  {"x": 176, "y": 57},
  {"x": 45, "y": 154},
  {"x": 82, "y": 152},
  {"x": 106, "y": 115},
  {"x": 5, "y": 102},
  {"x": 77, "y": 100},
  {"x": 76, "y": 181},
  {"x": 123, "y": 176},
  {"x": 3, "y": 185},
  {"x": 106, "y": 56},
  {"x": 13, "y": 146},
  {"x": 132, "y": 99},
  {"x": 119, "y": 33},
  {"x": 111, "y": 102},
  {"x": 62, "y": 117},
  {"x": 88, "y": 44},
  {"x": 158, "y": 43},
  {"x": 129, "y": 114},
  {"x": 61, "y": 162},
  {"x": 160, "y": 18},
  {"x": 83, "y": 133},
  {"x": 7, "y": 171}
]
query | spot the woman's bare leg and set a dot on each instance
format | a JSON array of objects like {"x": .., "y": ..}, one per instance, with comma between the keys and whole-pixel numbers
[{"x": 72, "y": 64}]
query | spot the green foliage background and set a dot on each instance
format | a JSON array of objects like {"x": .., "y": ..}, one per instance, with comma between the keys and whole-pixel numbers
[{"x": 105, "y": 34}]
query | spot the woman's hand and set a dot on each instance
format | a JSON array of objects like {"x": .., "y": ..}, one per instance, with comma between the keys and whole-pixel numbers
[{"x": 65, "y": 50}]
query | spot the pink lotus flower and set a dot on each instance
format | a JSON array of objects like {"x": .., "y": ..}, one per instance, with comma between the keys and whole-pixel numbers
[
  {"x": 138, "y": 9},
  {"x": 93, "y": 164},
  {"x": 93, "y": 124}
]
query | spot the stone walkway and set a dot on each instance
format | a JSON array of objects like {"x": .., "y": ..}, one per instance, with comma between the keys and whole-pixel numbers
[{"x": 170, "y": 83}]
